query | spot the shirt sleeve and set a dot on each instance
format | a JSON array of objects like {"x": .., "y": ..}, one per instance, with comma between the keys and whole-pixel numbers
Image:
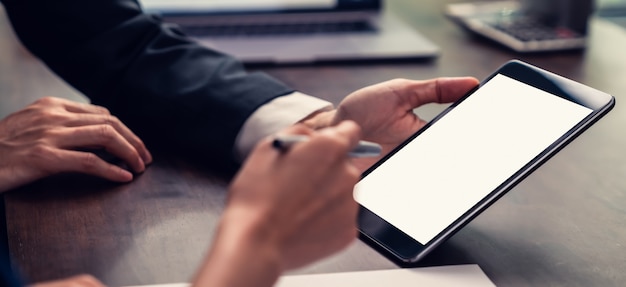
[
  {"x": 175, "y": 93},
  {"x": 275, "y": 116}
]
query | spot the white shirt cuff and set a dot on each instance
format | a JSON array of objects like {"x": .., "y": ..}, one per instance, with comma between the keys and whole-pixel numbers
[{"x": 274, "y": 116}]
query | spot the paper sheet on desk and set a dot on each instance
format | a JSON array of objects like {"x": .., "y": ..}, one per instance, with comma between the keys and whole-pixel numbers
[{"x": 442, "y": 276}]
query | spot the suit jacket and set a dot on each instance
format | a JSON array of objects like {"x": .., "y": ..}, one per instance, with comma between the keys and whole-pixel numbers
[
  {"x": 173, "y": 92},
  {"x": 7, "y": 277}
]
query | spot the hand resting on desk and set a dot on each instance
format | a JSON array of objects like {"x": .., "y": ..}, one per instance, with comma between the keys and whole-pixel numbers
[
  {"x": 286, "y": 208},
  {"x": 43, "y": 139}
]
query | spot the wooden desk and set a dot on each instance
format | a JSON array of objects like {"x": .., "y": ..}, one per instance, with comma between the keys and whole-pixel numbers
[{"x": 563, "y": 226}]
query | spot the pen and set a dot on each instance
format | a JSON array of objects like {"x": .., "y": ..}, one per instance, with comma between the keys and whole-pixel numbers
[{"x": 363, "y": 149}]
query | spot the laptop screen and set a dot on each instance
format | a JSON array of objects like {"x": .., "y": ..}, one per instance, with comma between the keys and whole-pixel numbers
[{"x": 254, "y": 6}]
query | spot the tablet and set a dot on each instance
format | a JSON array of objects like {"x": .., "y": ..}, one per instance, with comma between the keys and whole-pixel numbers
[{"x": 470, "y": 155}]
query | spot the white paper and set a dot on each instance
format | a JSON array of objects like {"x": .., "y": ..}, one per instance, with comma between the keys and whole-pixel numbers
[{"x": 442, "y": 276}]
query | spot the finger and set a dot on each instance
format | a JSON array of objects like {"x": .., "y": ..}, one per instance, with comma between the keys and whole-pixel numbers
[
  {"x": 344, "y": 137},
  {"x": 76, "y": 107},
  {"x": 297, "y": 129},
  {"x": 105, "y": 119},
  {"x": 440, "y": 90},
  {"x": 104, "y": 136},
  {"x": 89, "y": 163},
  {"x": 348, "y": 130},
  {"x": 71, "y": 106},
  {"x": 324, "y": 148}
]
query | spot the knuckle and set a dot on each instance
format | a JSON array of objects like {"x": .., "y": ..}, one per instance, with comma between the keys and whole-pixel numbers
[
  {"x": 105, "y": 133},
  {"x": 48, "y": 132},
  {"x": 111, "y": 120},
  {"x": 40, "y": 151},
  {"x": 140, "y": 146},
  {"x": 396, "y": 83},
  {"x": 46, "y": 101},
  {"x": 89, "y": 162},
  {"x": 102, "y": 110}
]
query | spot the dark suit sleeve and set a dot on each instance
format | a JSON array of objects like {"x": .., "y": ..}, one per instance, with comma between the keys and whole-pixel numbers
[
  {"x": 172, "y": 92},
  {"x": 8, "y": 278}
]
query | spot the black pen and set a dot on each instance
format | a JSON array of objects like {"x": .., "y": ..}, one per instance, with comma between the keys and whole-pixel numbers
[{"x": 363, "y": 149}]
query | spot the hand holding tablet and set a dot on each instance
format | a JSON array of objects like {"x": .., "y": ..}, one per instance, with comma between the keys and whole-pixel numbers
[{"x": 470, "y": 155}]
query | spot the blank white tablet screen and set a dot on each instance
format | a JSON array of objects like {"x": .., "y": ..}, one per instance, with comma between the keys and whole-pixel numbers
[{"x": 465, "y": 155}]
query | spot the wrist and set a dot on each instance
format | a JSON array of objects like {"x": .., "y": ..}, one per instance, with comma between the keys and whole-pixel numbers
[{"x": 241, "y": 245}]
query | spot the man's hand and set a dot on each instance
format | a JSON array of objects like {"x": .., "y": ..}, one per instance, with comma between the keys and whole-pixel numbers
[
  {"x": 44, "y": 139},
  {"x": 75, "y": 281},
  {"x": 385, "y": 111},
  {"x": 286, "y": 209}
]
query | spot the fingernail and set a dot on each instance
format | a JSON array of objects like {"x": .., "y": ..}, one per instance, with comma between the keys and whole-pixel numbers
[
  {"x": 139, "y": 166},
  {"x": 125, "y": 176},
  {"x": 147, "y": 157}
]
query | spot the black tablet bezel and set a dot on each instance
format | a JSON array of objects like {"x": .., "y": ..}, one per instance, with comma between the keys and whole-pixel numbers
[{"x": 406, "y": 249}]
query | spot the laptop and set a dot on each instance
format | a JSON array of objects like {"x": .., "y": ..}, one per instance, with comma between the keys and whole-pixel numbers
[
  {"x": 527, "y": 25},
  {"x": 296, "y": 31}
]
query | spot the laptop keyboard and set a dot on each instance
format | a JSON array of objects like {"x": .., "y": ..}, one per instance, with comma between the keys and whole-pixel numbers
[
  {"x": 525, "y": 29},
  {"x": 276, "y": 29}
]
